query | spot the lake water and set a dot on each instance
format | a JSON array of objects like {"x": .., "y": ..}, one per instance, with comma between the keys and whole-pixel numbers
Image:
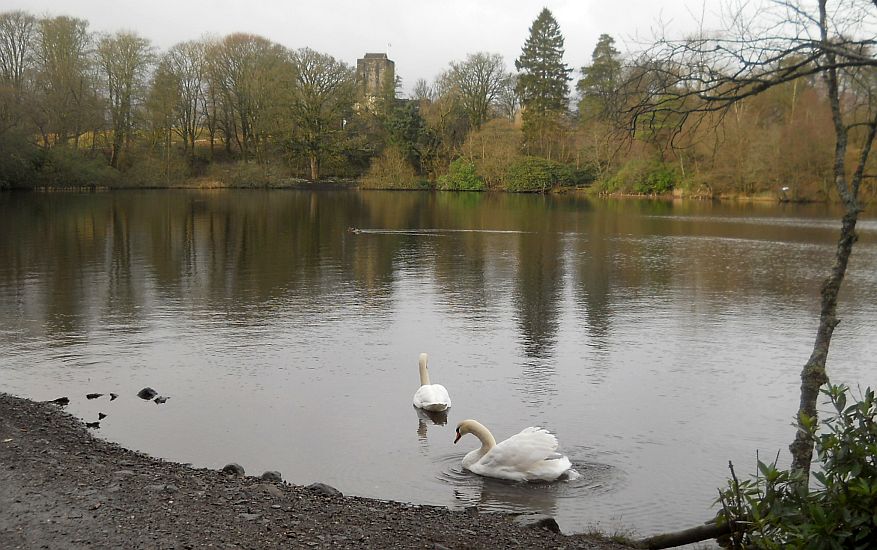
[{"x": 658, "y": 340}]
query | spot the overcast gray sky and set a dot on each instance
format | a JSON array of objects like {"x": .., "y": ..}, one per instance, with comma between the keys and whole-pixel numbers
[{"x": 421, "y": 36}]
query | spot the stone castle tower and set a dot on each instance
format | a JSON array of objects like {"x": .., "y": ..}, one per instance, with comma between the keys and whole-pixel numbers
[{"x": 375, "y": 77}]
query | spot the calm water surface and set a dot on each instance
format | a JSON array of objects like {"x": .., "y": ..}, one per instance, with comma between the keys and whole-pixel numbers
[{"x": 658, "y": 340}]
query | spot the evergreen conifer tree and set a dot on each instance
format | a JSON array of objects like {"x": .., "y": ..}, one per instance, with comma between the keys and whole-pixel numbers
[
  {"x": 542, "y": 80},
  {"x": 599, "y": 81}
]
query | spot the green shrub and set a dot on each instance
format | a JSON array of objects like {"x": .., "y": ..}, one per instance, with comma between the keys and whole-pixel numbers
[
  {"x": 17, "y": 162},
  {"x": 65, "y": 167},
  {"x": 579, "y": 176},
  {"x": 461, "y": 176},
  {"x": 535, "y": 174},
  {"x": 391, "y": 171},
  {"x": 644, "y": 177},
  {"x": 154, "y": 171},
  {"x": 776, "y": 509}
]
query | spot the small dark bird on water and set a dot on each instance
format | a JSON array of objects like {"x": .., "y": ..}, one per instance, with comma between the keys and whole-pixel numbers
[
  {"x": 113, "y": 396},
  {"x": 95, "y": 425},
  {"x": 93, "y": 395},
  {"x": 160, "y": 399},
  {"x": 101, "y": 416}
]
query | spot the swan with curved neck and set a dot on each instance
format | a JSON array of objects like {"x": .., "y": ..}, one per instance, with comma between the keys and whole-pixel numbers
[
  {"x": 430, "y": 397},
  {"x": 530, "y": 455}
]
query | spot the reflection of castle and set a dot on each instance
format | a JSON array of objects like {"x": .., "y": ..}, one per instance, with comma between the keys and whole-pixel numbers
[{"x": 375, "y": 78}]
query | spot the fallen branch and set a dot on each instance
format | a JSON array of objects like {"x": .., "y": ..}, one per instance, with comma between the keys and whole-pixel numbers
[{"x": 686, "y": 536}]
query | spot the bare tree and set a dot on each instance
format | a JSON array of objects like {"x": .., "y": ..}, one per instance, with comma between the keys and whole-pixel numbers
[
  {"x": 162, "y": 103},
  {"x": 423, "y": 91},
  {"x": 478, "y": 81},
  {"x": 244, "y": 72},
  {"x": 66, "y": 100},
  {"x": 125, "y": 60},
  {"x": 508, "y": 102},
  {"x": 185, "y": 64},
  {"x": 446, "y": 121},
  {"x": 782, "y": 41},
  {"x": 322, "y": 98},
  {"x": 18, "y": 32}
]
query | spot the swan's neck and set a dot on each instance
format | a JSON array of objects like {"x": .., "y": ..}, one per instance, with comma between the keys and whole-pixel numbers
[
  {"x": 424, "y": 374},
  {"x": 484, "y": 436}
]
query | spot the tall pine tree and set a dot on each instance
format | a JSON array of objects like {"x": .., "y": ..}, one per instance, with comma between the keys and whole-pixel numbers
[
  {"x": 600, "y": 81},
  {"x": 542, "y": 82}
]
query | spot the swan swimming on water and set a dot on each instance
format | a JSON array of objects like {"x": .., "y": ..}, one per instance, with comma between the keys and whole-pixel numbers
[
  {"x": 530, "y": 455},
  {"x": 430, "y": 397}
]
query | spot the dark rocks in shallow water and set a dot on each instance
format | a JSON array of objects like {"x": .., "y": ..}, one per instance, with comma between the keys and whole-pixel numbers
[
  {"x": 93, "y": 395},
  {"x": 101, "y": 416},
  {"x": 147, "y": 393},
  {"x": 272, "y": 475},
  {"x": 113, "y": 396},
  {"x": 324, "y": 489},
  {"x": 160, "y": 399},
  {"x": 62, "y": 401},
  {"x": 233, "y": 468},
  {"x": 538, "y": 521},
  {"x": 95, "y": 425}
]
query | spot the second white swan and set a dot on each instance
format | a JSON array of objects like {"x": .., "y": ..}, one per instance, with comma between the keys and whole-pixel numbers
[
  {"x": 530, "y": 455},
  {"x": 430, "y": 397}
]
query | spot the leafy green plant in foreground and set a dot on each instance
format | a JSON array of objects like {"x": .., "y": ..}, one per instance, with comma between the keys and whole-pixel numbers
[{"x": 776, "y": 509}]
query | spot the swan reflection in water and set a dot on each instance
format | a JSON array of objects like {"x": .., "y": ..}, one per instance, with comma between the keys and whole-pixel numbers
[
  {"x": 425, "y": 418},
  {"x": 497, "y": 495},
  {"x": 526, "y": 497}
]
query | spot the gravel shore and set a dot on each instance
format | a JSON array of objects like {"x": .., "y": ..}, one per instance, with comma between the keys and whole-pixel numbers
[{"x": 60, "y": 487}]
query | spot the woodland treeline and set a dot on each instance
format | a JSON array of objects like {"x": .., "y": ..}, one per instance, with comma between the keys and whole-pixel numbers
[{"x": 81, "y": 109}]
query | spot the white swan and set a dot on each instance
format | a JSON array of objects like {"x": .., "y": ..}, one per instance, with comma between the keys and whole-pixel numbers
[
  {"x": 430, "y": 397},
  {"x": 528, "y": 456}
]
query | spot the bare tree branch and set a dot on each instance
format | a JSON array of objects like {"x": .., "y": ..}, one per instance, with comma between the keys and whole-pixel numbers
[{"x": 674, "y": 84}]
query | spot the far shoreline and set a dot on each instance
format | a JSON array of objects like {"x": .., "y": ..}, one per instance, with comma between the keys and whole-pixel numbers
[{"x": 356, "y": 185}]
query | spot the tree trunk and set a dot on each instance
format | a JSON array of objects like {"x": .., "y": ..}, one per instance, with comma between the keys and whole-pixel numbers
[
  {"x": 167, "y": 156},
  {"x": 814, "y": 376},
  {"x": 116, "y": 150},
  {"x": 315, "y": 167}
]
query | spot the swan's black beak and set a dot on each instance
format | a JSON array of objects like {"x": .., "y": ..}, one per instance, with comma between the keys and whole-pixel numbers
[{"x": 459, "y": 435}]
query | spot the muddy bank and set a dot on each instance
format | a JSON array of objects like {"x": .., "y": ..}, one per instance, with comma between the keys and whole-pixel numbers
[{"x": 62, "y": 488}]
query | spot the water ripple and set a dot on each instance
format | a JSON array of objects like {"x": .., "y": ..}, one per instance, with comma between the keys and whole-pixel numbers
[{"x": 497, "y": 495}]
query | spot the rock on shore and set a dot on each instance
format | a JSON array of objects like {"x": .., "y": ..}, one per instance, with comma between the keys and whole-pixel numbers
[{"x": 64, "y": 488}]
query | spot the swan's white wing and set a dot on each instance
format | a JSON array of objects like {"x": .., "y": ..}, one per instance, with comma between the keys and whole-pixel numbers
[
  {"x": 432, "y": 397},
  {"x": 530, "y": 455}
]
